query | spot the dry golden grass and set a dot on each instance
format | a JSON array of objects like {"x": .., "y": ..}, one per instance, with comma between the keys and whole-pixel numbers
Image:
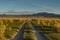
[
  {"x": 3, "y": 27},
  {"x": 7, "y": 30}
]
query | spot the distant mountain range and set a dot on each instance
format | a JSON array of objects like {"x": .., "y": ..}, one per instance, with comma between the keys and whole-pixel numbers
[
  {"x": 45, "y": 14},
  {"x": 42, "y": 14}
]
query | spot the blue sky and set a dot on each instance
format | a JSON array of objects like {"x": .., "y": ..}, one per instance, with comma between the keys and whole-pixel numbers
[{"x": 30, "y": 5}]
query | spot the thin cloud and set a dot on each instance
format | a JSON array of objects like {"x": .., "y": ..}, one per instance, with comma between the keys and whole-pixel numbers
[{"x": 44, "y": 9}]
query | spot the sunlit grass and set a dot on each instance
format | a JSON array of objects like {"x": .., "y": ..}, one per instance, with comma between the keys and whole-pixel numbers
[
  {"x": 9, "y": 29},
  {"x": 28, "y": 33},
  {"x": 51, "y": 29},
  {"x": 53, "y": 36}
]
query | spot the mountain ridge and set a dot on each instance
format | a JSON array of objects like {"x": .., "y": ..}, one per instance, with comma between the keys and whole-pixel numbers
[{"x": 42, "y": 14}]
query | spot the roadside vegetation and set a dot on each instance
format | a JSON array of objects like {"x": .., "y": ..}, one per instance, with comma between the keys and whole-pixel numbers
[
  {"x": 29, "y": 33},
  {"x": 50, "y": 28},
  {"x": 8, "y": 28}
]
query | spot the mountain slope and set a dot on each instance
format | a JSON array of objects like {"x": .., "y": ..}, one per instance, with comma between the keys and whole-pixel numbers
[
  {"x": 45, "y": 14},
  {"x": 42, "y": 14}
]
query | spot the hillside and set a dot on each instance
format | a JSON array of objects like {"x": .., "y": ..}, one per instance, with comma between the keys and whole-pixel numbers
[
  {"x": 45, "y": 14},
  {"x": 42, "y": 14}
]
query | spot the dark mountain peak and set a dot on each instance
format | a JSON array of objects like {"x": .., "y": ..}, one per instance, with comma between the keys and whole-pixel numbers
[{"x": 46, "y": 14}]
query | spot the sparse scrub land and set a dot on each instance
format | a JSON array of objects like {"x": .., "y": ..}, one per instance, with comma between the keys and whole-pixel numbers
[
  {"x": 49, "y": 28},
  {"x": 9, "y": 29},
  {"x": 28, "y": 33}
]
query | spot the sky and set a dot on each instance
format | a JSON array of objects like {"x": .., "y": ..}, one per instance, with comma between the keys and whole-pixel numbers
[{"x": 30, "y": 6}]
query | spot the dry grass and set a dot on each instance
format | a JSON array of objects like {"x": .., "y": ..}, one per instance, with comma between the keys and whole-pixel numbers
[
  {"x": 8, "y": 29},
  {"x": 3, "y": 26}
]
